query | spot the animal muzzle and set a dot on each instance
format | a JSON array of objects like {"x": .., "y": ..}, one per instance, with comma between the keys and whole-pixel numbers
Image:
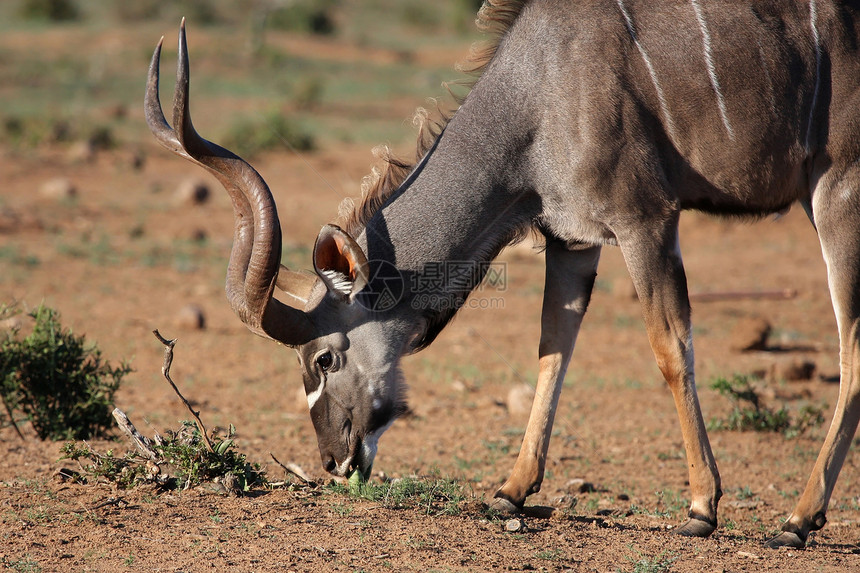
[{"x": 360, "y": 457}]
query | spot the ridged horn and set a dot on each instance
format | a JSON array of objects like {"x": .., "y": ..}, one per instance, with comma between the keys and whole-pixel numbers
[{"x": 255, "y": 258}]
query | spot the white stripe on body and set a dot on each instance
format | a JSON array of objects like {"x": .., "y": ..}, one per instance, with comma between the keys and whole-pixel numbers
[
  {"x": 664, "y": 108},
  {"x": 813, "y": 23},
  {"x": 712, "y": 71}
]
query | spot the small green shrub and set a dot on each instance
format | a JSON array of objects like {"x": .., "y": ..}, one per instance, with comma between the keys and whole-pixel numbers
[
  {"x": 126, "y": 471},
  {"x": 49, "y": 10},
  {"x": 137, "y": 11},
  {"x": 247, "y": 137},
  {"x": 58, "y": 381},
  {"x": 194, "y": 464},
  {"x": 308, "y": 16},
  {"x": 184, "y": 461},
  {"x": 750, "y": 414},
  {"x": 308, "y": 92}
]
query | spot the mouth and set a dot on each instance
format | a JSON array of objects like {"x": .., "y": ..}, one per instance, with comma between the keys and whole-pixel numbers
[
  {"x": 361, "y": 460},
  {"x": 365, "y": 474},
  {"x": 363, "y": 454}
]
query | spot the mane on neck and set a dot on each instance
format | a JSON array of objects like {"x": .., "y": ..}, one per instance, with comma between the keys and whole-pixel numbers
[{"x": 494, "y": 18}]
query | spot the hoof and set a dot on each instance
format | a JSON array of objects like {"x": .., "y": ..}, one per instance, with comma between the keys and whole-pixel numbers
[
  {"x": 503, "y": 505},
  {"x": 786, "y": 539},
  {"x": 694, "y": 527}
]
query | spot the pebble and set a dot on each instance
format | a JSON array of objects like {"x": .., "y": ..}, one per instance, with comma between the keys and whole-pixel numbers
[
  {"x": 192, "y": 191},
  {"x": 579, "y": 485},
  {"x": 81, "y": 152},
  {"x": 198, "y": 235},
  {"x": 191, "y": 317},
  {"x": 520, "y": 398},
  {"x": 514, "y": 525},
  {"x": 744, "y": 504},
  {"x": 750, "y": 334},
  {"x": 748, "y": 555},
  {"x": 58, "y": 188},
  {"x": 796, "y": 370}
]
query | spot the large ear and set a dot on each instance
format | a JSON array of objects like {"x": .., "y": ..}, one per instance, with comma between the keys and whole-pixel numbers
[
  {"x": 296, "y": 285},
  {"x": 340, "y": 262}
]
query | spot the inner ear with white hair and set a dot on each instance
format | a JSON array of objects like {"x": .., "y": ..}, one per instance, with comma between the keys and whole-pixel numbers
[{"x": 340, "y": 263}]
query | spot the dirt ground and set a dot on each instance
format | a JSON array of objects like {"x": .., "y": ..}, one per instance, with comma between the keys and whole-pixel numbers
[{"x": 126, "y": 255}]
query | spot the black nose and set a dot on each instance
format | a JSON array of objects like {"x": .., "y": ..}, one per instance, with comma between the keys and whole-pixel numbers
[{"x": 329, "y": 464}]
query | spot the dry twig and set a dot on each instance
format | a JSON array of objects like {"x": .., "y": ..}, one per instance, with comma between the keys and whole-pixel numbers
[
  {"x": 781, "y": 294},
  {"x": 295, "y": 470},
  {"x": 141, "y": 441},
  {"x": 165, "y": 370}
]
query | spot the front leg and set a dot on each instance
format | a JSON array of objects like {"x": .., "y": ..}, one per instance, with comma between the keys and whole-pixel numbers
[
  {"x": 569, "y": 280},
  {"x": 654, "y": 262}
]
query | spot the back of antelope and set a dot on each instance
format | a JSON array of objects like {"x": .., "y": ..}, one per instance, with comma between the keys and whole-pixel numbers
[{"x": 595, "y": 123}]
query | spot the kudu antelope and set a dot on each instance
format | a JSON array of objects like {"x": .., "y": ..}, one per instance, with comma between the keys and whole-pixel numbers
[{"x": 595, "y": 122}]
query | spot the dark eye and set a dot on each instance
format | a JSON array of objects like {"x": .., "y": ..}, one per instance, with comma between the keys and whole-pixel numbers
[{"x": 324, "y": 361}]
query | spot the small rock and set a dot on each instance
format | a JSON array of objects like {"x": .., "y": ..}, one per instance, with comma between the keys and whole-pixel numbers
[
  {"x": 21, "y": 325},
  {"x": 748, "y": 555},
  {"x": 744, "y": 504},
  {"x": 198, "y": 235},
  {"x": 520, "y": 399},
  {"x": 230, "y": 483},
  {"x": 579, "y": 485},
  {"x": 82, "y": 152},
  {"x": 192, "y": 192},
  {"x": 796, "y": 370},
  {"x": 750, "y": 334},
  {"x": 459, "y": 386},
  {"x": 152, "y": 469},
  {"x": 13, "y": 323},
  {"x": 58, "y": 188},
  {"x": 191, "y": 317},
  {"x": 514, "y": 525},
  {"x": 137, "y": 160},
  {"x": 64, "y": 475},
  {"x": 213, "y": 487}
]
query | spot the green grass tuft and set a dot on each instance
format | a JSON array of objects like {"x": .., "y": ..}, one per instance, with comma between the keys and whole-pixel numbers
[
  {"x": 434, "y": 495},
  {"x": 749, "y": 414}
]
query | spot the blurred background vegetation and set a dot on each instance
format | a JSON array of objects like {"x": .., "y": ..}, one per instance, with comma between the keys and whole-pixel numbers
[{"x": 266, "y": 73}]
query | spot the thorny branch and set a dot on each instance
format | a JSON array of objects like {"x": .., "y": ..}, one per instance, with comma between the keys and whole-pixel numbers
[{"x": 165, "y": 370}]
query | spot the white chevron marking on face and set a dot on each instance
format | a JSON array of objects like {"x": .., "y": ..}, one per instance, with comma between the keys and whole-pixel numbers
[{"x": 314, "y": 396}]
